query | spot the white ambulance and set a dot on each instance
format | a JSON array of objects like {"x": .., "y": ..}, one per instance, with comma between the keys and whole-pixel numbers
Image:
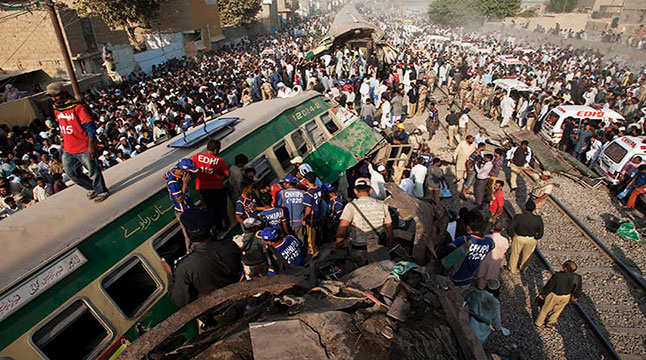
[
  {"x": 553, "y": 120},
  {"x": 615, "y": 154},
  {"x": 509, "y": 85}
]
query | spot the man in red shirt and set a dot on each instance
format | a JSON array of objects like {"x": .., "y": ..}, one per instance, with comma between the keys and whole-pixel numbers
[
  {"x": 497, "y": 200},
  {"x": 209, "y": 182},
  {"x": 79, "y": 144}
]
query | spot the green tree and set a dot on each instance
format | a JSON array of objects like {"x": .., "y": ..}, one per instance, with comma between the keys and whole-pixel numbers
[
  {"x": 128, "y": 14},
  {"x": 455, "y": 12},
  {"x": 562, "y": 6},
  {"x": 498, "y": 9},
  {"x": 238, "y": 12}
]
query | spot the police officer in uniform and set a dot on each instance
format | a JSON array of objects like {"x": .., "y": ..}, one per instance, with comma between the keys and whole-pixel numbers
[
  {"x": 365, "y": 220},
  {"x": 211, "y": 263}
]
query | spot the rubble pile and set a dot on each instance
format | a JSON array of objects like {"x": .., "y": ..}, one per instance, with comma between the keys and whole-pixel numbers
[{"x": 397, "y": 307}]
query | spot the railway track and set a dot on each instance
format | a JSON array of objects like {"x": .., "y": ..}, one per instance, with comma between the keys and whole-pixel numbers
[{"x": 613, "y": 304}]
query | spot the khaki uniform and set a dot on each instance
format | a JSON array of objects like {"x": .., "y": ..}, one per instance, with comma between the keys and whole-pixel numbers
[
  {"x": 554, "y": 304},
  {"x": 360, "y": 233},
  {"x": 523, "y": 247}
]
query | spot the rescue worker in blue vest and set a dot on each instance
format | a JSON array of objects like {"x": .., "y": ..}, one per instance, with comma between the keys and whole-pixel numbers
[
  {"x": 212, "y": 262},
  {"x": 313, "y": 214},
  {"x": 177, "y": 180},
  {"x": 272, "y": 216},
  {"x": 283, "y": 251},
  {"x": 291, "y": 200}
]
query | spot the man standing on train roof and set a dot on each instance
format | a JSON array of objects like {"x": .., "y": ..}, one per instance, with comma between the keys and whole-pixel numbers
[
  {"x": 212, "y": 263},
  {"x": 209, "y": 182},
  {"x": 177, "y": 180},
  {"x": 79, "y": 143}
]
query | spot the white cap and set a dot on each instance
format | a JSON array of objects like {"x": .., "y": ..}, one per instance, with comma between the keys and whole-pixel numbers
[
  {"x": 381, "y": 168},
  {"x": 122, "y": 138},
  {"x": 250, "y": 222},
  {"x": 105, "y": 152},
  {"x": 296, "y": 160},
  {"x": 137, "y": 146}
]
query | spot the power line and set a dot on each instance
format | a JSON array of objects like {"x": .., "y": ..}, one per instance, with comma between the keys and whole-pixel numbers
[{"x": 24, "y": 41}]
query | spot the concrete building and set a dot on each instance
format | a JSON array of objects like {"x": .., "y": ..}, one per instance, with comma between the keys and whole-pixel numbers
[
  {"x": 268, "y": 15},
  {"x": 197, "y": 20},
  {"x": 633, "y": 13},
  {"x": 287, "y": 10},
  {"x": 620, "y": 15},
  {"x": 28, "y": 42}
]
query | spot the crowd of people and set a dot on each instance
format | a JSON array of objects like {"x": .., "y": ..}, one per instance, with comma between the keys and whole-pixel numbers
[{"x": 285, "y": 222}]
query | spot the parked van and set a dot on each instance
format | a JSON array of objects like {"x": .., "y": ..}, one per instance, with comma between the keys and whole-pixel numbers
[
  {"x": 615, "y": 154},
  {"x": 553, "y": 120}
]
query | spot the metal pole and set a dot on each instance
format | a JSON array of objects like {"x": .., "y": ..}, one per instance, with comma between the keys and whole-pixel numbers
[{"x": 49, "y": 5}]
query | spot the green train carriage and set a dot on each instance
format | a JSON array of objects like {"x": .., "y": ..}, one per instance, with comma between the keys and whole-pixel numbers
[{"x": 81, "y": 280}]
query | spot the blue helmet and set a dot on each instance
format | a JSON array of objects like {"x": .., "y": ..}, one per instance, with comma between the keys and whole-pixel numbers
[
  {"x": 268, "y": 234},
  {"x": 327, "y": 187},
  {"x": 290, "y": 179},
  {"x": 187, "y": 164}
]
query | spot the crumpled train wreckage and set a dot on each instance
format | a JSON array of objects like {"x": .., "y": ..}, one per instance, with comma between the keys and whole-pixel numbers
[{"x": 351, "y": 30}]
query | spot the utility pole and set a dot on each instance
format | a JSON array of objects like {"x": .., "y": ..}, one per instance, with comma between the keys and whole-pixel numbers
[{"x": 49, "y": 6}]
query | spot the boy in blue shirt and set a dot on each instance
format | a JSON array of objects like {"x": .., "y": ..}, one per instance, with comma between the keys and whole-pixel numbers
[
  {"x": 313, "y": 215},
  {"x": 177, "y": 180},
  {"x": 246, "y": 203},
  {"x": 334, "y": 210},
  {"x": 480, "y": 247},
  {"x": 286, "y": 250}
]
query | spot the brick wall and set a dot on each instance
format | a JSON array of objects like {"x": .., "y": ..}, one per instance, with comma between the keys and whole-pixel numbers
[{"x": 28, "y": 42}]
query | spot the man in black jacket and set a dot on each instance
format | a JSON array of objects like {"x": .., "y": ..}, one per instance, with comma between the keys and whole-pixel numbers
[
  {"x": 525, "y": 229},
  {"x": 562, "y": 287},
  {"x": 211, "y": 263}
]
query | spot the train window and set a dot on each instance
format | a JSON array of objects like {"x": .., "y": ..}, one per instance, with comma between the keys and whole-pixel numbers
[
  {"x": 75, "y": 333},
  {"x": 316, "y": 134},
  {"x": 264, "y": 172},
  {"x": 171, "y": 245},
  {"x": 130, "y": 286},
  {"x": 299, "y": 142},
  {"x": 282, "y": 155},
  {"x": 329, "y": 124}
]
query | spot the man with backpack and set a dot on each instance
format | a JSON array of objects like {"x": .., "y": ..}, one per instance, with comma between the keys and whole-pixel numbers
[{"x": 463, "y": 256}]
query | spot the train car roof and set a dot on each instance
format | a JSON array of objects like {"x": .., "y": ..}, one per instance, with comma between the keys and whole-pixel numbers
[
  {"x": 36, "y": 235},
  {"x": 348, "y": 19}
]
